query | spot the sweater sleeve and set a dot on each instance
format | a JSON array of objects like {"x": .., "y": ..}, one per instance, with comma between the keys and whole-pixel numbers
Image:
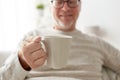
[
  {"x": 111, "y": 56},
  {"x": 12, "y": 70}
]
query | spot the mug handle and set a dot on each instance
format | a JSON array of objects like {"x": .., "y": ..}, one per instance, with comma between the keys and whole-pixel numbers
[{"x": 43, "y": 45}]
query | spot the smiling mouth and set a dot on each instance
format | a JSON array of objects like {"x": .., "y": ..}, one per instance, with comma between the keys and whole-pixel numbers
[{"x": 65, "y": 15}]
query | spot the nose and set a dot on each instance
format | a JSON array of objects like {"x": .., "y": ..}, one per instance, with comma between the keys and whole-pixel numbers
[{"x": 65, "y": 7}]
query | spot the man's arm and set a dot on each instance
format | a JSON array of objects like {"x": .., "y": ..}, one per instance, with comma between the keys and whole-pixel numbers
[
  {"x": 12, "y": 69},
  {"x": 16, "y": 66},
  {"x": 111, "y": 56}
]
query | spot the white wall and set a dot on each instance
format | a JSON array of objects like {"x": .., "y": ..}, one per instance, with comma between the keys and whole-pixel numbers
[
  {"x": 16, "y": 18},
  {"x": 104, "y": 13}
]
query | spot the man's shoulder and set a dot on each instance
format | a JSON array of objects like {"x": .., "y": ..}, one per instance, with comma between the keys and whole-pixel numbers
[
  {"x": 87, "y": 36},
  {"x": 93, "y": 39},
  {"x": 98, "y": 41}
]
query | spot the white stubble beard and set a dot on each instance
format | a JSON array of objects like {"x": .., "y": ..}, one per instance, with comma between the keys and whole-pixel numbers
[{"x": 61, "y": 25}]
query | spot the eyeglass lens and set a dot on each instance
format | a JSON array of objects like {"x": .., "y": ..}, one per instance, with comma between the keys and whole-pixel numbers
[{"x": 60, "y": 3}]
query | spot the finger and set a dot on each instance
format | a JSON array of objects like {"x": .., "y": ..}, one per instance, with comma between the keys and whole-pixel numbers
[
  {"x": 39, "y": 62},
  {"x": 37, "y": 39},
  {"x": 36, "y": 59},
  {"x": 39, "y": 49},
  {"x": 29, "y": 39},
  {"x": 35, "y": 50},
  {"x": 31, "y": 47},
  {"x": 37, "y": 54},
  {"x": 40, "y": 55},
  {"x": 26, "y": 41}
]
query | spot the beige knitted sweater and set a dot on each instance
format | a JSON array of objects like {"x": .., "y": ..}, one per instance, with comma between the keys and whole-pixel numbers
[{"x": 87, "y": 57}]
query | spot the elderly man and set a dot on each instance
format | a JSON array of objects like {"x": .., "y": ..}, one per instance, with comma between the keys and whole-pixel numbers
[{"x": 87, "y": 57}]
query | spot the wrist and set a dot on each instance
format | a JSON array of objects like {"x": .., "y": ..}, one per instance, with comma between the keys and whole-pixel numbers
[{"x": 23, "y": 63}]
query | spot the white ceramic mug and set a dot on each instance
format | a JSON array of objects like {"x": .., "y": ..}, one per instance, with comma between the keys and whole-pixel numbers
[{"x": 57, "y": 48}]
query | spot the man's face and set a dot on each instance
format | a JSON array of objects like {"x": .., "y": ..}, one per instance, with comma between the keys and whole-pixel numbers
[{"x": 65, "y": 17}]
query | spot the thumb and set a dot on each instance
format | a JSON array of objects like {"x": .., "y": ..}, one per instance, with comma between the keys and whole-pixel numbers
[{"x": 37, "y": 39}]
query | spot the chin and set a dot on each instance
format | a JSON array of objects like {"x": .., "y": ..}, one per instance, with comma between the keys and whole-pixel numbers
[{"x": 65, "y": 26}]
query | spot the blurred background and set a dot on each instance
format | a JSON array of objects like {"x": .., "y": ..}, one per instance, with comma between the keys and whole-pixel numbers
[{"x": 98, "y": 18}]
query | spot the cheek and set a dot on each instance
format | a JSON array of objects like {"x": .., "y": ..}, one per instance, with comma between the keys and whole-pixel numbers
[
  {"x": 76, "y": 12},
  {"x": 55, "y": 14}
]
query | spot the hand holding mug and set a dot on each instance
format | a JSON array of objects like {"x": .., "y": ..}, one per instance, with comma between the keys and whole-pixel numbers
[{"x": 32, "y": 54}]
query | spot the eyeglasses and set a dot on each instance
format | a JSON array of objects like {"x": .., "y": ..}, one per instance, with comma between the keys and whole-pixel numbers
[{"x": 60, "y": 3}]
